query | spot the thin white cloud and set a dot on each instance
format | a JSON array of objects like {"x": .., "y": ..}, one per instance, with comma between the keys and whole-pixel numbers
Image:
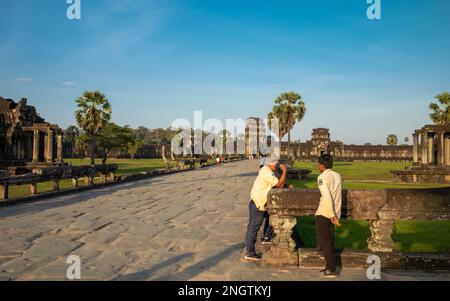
[
  {"x": 118, "y": 35},
  {"x": 25, "y": 80},
  {"x": 69, "y": 83}
]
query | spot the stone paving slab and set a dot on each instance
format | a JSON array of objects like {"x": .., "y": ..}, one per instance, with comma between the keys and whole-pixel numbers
[{"x": 185, "y": 226}]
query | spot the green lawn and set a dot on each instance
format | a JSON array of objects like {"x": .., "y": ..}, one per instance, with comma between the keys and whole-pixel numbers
[
  {"x": 361, "y": 175},
  {"x": 408, "y": 236},
  {"x": 126, "y": 166}
]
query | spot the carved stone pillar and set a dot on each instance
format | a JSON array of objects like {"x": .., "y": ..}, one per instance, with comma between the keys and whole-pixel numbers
[
  {"x": 447, "y": 150},
  {"x": 4, "y": 191},
  {"x": 430, "y": 149},
  {"x": 381, "y": 240},
  {"x": 283, "y": 227},
  {"x": 33, "y": 188},
  {"x": 56, "y": 185},
  {"x": 284, "y": 251},
  {"x": 424, "y": 145},
  {"x": 49, "y": 147},
  {"x": 440, "y": 149},
  {"x": 59, "y": 148},
  {"x": 416, "y": 148},
  {"x": 36, "y": 146}
]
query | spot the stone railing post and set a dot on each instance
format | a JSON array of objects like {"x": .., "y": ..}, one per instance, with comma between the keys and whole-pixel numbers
[
  {"x": 33, "y": 188},
  {"x": 284, "y": 250},
  {"x": 381, "y": 240},
  {"x": 56, "y": 185},
  {"x": 283, "y": 228},
  {"x": 89, "y": 180},
  {"x": 4, "y": 191}
]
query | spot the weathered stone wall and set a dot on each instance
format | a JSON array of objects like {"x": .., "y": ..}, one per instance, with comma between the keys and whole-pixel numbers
[{"x": 380, "y": 207}]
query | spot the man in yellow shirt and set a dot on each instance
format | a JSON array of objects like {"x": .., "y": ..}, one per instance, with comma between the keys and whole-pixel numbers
[{"x": 265, "y": 181}]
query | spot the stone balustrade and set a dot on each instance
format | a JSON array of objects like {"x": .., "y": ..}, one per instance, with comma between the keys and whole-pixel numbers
[
  {"x": 55, "y": 175},
  {"x": 382, "y": 208},
  {"x": 298, "y": 174}
]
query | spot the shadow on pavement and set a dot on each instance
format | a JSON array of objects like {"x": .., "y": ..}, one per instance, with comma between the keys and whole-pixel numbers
[
  {"x": 32, "y": 207},
  {"x": 145, "y": 274},
  {"x": 187, "y": 273}
]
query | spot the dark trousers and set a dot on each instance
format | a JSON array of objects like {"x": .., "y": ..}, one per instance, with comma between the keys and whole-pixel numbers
[
  {"x": 325, "y": 240},
  {"x": 257, "y": 219}
]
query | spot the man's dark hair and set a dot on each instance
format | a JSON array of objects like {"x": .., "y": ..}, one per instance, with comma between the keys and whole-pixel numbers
[{"x": 326, "y": 160}]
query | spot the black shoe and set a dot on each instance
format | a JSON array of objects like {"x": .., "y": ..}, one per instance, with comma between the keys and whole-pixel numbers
[
  {"x": 329, "y": 274},
  {"x": 255, "y": 257}
]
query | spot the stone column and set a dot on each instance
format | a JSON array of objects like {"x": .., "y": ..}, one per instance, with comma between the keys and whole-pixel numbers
[
  {"x": 4, "y": 191},
  {"x": 34, "y": 188},
  {"x": 36, "y": 146},
  {"x": 423, "y": 141},
  {"x": 447, "y": 150},
  {"x": 440, "y": 149},
  {"x": 49, "y": 147},
  {"x": 381, "y": 240},
  {"x": 59, "y": 148},
  {"x": 284, "y": 250},
  {"x": 430, "y": 149},
  {"x": 415, "y": 147}
]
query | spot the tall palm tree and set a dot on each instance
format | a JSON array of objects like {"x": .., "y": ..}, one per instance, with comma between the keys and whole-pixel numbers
[
  {"x": 94, "y": 111},
  {"x": 392, "y": 140},
  {"x": 288, "y": 110},
  {"x": 441, "y": 115}
]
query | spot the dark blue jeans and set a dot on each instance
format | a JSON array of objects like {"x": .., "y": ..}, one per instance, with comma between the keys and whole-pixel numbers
[{"x": 257, "y": 218}]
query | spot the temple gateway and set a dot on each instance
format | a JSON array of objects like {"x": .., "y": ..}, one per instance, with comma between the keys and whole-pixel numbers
[{"x": 26, "y": 140}]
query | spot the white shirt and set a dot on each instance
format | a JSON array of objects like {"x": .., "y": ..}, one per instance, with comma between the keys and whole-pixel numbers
[{"x": 330, "y": 186}]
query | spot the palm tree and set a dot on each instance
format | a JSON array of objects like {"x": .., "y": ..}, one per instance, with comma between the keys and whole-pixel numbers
[
  {"x": 392, "y": 140},
  {"x": 94, "y": 111},
  {"x": 288, "y": 110},
  {"x": 441, "y": 115},
  {"x": 70, "y": 137}
]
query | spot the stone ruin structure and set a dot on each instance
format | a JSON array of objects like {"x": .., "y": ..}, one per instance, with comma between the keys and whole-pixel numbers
[
  {"x": 26, "y": 140},
  {"x": 321, "y": 143},
  {"x": 431, "y": 156}
]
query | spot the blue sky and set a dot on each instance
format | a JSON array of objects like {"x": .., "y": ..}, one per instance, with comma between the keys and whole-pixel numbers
[{"x": 158, "y": 61}]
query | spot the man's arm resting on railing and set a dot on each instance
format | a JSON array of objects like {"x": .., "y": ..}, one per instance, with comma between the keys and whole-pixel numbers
[{"x": 283, "y": 177}]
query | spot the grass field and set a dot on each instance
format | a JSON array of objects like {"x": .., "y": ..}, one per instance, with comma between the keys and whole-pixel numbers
[
  {"x": 408, "y": 236},
  {"x": 126, "y": 166},
  {"x": 361, "y": 175}
]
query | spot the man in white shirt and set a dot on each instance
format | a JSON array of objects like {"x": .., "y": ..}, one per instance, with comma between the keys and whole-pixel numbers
[{"x": 329, "y": 212}]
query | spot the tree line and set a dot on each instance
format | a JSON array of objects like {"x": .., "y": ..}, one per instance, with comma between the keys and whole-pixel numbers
[{"x": 96, "y": 134}]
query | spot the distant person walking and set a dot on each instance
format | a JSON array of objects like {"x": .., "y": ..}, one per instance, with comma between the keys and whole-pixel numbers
[
  {"x": 265, "y": 181},
  {"x": 262, "y": 161},
  {"x": 329, "y": 212}
]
